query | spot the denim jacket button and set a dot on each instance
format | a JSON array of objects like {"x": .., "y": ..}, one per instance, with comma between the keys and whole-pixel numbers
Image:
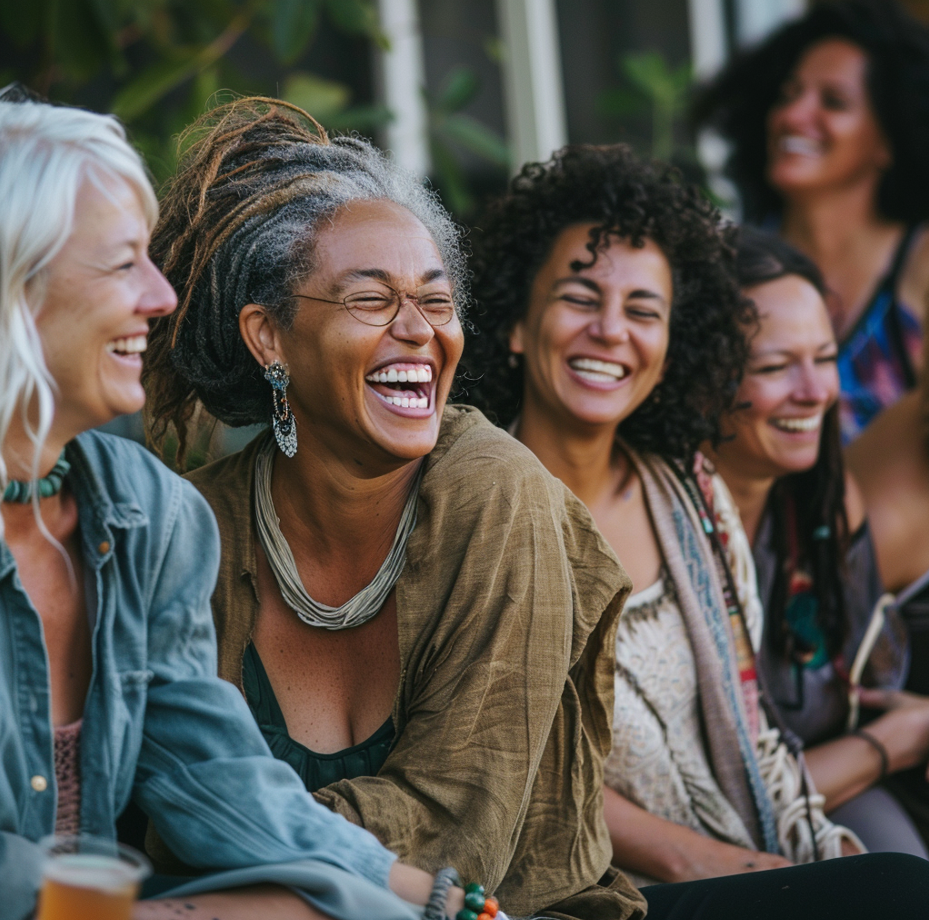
[
  {"x": 39, "y": 783},
  {"x": 103, "y": 548}
]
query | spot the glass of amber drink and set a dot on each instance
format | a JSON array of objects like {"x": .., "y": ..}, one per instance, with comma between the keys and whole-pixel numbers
[{"x": 89, "y": 878}]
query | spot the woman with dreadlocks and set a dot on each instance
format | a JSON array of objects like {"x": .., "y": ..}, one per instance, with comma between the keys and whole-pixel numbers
[
  {"x": 401, "y": 598},
  {"x": 825, "y": 632}
]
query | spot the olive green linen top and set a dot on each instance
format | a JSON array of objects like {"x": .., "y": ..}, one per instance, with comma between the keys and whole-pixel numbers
[{"x": 507, "y": 610}]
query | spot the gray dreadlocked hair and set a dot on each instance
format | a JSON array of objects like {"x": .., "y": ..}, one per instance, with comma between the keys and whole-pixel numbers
[{"x": 257, "y": 180}]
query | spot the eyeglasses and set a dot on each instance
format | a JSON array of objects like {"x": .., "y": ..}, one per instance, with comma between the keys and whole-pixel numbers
[{"x": 378, "y": 308}]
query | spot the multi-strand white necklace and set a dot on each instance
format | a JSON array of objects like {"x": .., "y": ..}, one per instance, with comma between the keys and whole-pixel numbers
[{"x": 358, "y": 609}]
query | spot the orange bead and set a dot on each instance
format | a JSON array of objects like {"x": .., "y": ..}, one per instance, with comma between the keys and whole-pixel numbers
[
  {"x": 491, "y": 906},
  {"x": 484, "y": 916}
]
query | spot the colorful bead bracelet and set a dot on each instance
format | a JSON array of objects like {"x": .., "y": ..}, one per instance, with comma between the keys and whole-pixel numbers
[{"x": 477, "y": 907}]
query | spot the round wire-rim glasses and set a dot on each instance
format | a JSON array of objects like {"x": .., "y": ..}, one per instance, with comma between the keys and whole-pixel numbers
[{"x": 377, "y": 308}]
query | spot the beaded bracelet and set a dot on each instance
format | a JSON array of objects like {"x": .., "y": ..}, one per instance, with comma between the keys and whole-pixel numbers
[{"x": 477, "y": 906}]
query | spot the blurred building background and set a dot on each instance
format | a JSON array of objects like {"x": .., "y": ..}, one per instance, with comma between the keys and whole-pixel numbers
[{"x": 461, "y": 91}]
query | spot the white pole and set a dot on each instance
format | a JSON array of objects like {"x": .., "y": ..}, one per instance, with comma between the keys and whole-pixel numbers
[
  {"x": 532, "y": 79},
  {"x": 756, "y": 18},
  {"x": 707, "y": 36},
  {"x": 404, "y": 78}
]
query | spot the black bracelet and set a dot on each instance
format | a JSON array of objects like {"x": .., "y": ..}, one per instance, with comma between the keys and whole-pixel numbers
[
  {"x": 435, "y": 906},
  {"x": 881, "y": 750}
]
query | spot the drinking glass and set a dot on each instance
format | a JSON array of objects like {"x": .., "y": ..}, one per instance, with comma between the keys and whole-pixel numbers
[{"x": 89, "y": 878}]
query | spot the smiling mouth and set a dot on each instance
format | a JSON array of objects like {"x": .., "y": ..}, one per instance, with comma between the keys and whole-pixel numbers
[
  {"x": 597, "y": 371},
  {"x": 128, "y": 345},
  {"x": 801, "y": 145},
  {"x": 812, "y": 423},
  {"x": 408, "y": 386}
]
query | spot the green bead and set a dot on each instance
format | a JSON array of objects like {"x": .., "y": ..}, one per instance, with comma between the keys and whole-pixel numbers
[
  {"x": 474, "y": 888},
  {"x": 466, "y": 915},
  {"x": 474, "y": 900}
]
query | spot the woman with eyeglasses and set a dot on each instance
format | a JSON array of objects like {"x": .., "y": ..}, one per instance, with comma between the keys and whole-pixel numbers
[{"x": 399, "y": 598}]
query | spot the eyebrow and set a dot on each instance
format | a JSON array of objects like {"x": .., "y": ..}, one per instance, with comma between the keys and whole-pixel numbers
[
  {"x": 380, "y": 274},
  {"x": 638, "y": 294}
]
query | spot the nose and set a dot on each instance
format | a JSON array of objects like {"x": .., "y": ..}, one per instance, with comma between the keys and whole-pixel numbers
[
  {"x": 817, "y": 384},
  {"x": 610, "y": 325},
  {"x": 410, "y": 325},
  {"x": 799, "y": 111},
  {"x": 158, "y": 297}
]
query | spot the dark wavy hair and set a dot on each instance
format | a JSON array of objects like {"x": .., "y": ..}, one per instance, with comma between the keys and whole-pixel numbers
[
  {"x": 636, "y": 201},
  {"x": 238, "y": 223},
  {"x": 737, "y": 103},
  {"x": 812, "y": 501}
]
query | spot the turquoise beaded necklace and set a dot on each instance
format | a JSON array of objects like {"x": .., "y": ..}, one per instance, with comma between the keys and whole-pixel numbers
[{"x": 47, "y": 486}]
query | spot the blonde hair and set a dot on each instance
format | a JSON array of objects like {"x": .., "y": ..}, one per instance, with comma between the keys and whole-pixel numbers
[{"x": 46, "y": 154}]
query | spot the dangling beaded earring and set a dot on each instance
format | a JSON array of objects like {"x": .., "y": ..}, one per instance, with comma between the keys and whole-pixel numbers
[{"x": 282, "y": 419}]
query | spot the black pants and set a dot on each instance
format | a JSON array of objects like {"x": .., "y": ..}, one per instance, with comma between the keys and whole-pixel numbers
[{"x": 879, "y": 886}]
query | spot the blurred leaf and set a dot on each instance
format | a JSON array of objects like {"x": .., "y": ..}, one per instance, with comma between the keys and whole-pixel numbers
[
  {"x": 451, "y": 179},
  {"x": 154, "y": 83},
  {"x": 478, "y": 138},
  {"x": 495, "y": 49},
  {"x": 650, "y": 73},
  {"x": 458, "y": 88},
  {"x": 358, "y": 17},
  {"x": 362, "y": 118},
  {"x": 82, "y": 42},
  {"x": 323, "y": 99},
  {"x": 293, "y": 23}
]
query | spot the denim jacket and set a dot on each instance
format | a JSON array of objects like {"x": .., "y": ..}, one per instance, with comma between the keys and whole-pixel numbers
[{"x": 159, "y": 726}]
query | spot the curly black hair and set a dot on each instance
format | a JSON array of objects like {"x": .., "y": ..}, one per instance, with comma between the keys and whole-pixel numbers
[
  {"x": 737, "y": 103},
  {"x": 635, "y": 201}
]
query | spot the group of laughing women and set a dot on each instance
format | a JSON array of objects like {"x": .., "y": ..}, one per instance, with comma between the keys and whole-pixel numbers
[{"x": 605, "y": 637}]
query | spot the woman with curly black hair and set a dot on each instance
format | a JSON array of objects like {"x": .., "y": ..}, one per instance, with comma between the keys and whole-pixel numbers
[
  {"x": 610, "y": 343},
  {"x": 829, "y": 126},
  {"x": 825, "y": 623}
]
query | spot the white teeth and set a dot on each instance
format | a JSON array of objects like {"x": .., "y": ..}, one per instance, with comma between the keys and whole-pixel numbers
[
  {"x": 408, "y": 402},
  {"x": 131, "y": 345},
  {"x": 600, "y": 371},
  {"x": 798, "y": 424},
  {"x": 416, "y": 375},
  {"x": 797, "y": 144}
]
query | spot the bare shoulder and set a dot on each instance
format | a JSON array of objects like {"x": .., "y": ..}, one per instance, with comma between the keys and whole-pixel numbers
[
  {"x": 890, "y": 463},
  {"x": 914, "y": 282},
  {"x": 854, "y": 503}
]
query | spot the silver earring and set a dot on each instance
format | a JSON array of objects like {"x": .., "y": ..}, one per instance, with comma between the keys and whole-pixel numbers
[
  {"x": 282, "y": 419},
  {"x": 513, "y": 361}
]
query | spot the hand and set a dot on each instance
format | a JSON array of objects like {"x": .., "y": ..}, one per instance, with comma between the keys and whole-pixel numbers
[
  {"x": 904, "y": 727},
  {"x": 711, "y": 858}
]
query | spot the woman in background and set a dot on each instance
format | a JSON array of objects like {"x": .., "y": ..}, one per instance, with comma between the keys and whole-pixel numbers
[
  {"x": 829, "y": 125},
  {"x": 818, "y": 577}
]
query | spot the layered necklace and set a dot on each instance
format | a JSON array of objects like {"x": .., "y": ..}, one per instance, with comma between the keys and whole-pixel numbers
[
  {"x": 358, "y": 609},
  {"x": 22, "y": 492}
]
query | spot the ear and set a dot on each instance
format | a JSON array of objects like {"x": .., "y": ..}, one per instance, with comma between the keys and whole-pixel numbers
[
  {"x": 517, "y": 333},
  {"x": 260, "y": 335}
]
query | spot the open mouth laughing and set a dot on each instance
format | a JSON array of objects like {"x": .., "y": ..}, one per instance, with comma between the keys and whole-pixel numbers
[
  {"x": 798, "y": 425},
  {"x": 127, "y": 346},
  {"x": 404, "y": 385},
  {"x": 596, "y": 371}
]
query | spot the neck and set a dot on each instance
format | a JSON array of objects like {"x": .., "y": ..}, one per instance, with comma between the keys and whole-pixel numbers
[
  {"x": 583, "y": 457},
  {"x": 750, "y": 493},
  {"x": 331, "y": 511},
  {"x": 830, "y": 224}
]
